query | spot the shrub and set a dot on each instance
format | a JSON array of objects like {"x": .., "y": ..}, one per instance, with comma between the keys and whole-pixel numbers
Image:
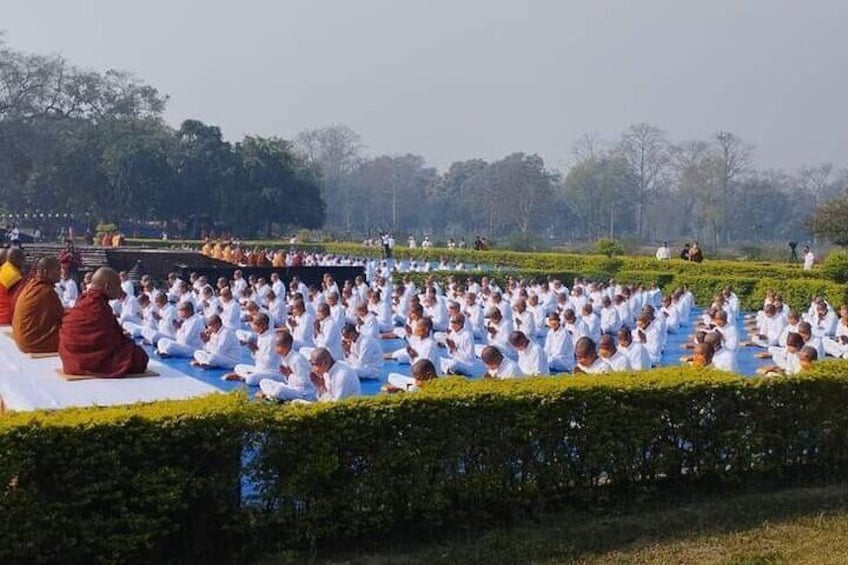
[
  {"x": 160, "y": 483},
  {"x": 835, "y": 266},
  {"x": 609, "y": 247}
]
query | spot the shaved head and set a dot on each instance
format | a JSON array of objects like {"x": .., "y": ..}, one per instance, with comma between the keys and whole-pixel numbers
[
  {"x": 107, "y": 281},
  {"x": 49, "y": 269},
  {"x": 15, "y": 256}
]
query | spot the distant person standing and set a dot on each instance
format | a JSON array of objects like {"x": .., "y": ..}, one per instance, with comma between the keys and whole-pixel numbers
[
  {"x": 663, "y": 252},
  {"x": 685, "y": 253},
  {"x": 695, "y": 253},
  {"x": 809, "y": 258}
]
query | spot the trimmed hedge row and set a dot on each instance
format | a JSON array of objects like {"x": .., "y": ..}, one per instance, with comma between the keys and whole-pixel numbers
[
  {"x": 161, "y": 483},
  {"x": 586, "y": 264}
]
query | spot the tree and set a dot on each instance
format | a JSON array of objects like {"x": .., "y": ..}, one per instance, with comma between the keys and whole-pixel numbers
[
  {"x": 277, "y": 186},
  {"x": 336, "y": 150},
  {"x": 645, "y": 150},
  {"x": 596, "y": 189},
  {"x": 830, "y": 221},
  {"x": 734, "y": 159}
]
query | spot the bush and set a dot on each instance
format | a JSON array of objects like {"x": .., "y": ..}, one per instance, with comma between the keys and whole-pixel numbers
[
  {"x": 160, "y": 483},
  {"x": 133, "y": 484},
  {"x": 609, "y": 247},
  {"x": 835, "y": 266}
]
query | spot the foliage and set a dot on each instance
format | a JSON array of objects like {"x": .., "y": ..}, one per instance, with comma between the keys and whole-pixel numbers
[
  {"x": 160, "y": 482},
  {"x": 830, "y": 220},
  {"x": 835, "y": 266},
  {"x": 608, "y": 247}
]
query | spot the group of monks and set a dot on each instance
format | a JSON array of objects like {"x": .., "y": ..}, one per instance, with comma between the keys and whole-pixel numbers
[{"x": 86, "y": 337}]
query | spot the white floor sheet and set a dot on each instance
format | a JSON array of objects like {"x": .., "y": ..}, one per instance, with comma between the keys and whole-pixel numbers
[{"x": 34, "y": 384}]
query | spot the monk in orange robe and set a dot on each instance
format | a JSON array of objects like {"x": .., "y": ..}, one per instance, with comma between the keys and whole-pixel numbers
[
  {"x": 12, "y": 282},
  {"x": 90, "y": 340},
  {"x": 38, "y": 311}
]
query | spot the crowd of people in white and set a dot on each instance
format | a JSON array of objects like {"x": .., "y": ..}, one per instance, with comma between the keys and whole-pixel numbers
[{"x": 316, "y": 343}]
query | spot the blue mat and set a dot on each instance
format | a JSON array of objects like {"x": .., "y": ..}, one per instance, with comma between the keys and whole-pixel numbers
[{"x": 748, "y": 364}]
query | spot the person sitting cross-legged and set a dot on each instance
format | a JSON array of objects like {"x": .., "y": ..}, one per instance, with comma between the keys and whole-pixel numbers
[
  {"x": 187, "y": 338},
  {"x": 220, "y": 345},
  {"x": 334, "y": 380},
  {"x": 266, "y": 362},
  {"x": 293, "y": 382}
]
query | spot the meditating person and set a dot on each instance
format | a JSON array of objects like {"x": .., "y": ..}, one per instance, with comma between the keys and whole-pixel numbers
[
  {"x": 220, "y": 346},
  {"x": 293, "y": 381},
  {"x": 334, "y": 380},
  {"x": 531, "y": 356},
  {"x": 12, "y": 282},
  {"x": 423, "y": 372},
  {"x": 187, "y": 338},
  {"x": 90, "y": 340},
  {"x": 362, "y": 352},
  {"x": 499, "y": 366},
  {"x": 587, "y": 358},
  {"x": 38, "y": 312},
  {"x": 266, "y": 361}
]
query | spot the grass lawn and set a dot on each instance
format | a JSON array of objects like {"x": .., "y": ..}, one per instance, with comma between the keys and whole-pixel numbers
[{"x": 790, "y": 526}]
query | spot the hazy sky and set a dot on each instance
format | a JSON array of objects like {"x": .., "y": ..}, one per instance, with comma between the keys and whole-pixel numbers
[{"x": 458, "y": 79}]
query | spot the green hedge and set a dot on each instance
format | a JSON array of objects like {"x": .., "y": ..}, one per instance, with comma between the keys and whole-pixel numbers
[
  {"x": 161, "y": 483},
  {"x": 145, "y": 484}
]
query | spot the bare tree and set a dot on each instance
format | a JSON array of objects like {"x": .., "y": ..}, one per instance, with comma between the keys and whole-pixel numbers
[
  {"x": 337, "y": 151},
  {"x": 646, "y": 151},
  {"x": 734, "y": 159}
]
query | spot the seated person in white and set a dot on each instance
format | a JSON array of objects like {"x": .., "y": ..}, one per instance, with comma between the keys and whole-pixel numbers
[
  {"x": 724, "y": 359},
  {"x": 187, "y": 338},
  {"x": 559, "y": 347},
  {"x": 610, "y": 322},
  {"x": 824, "y": 321},
  {"x": 423, "y": 371},
  {"x": 838, "y": 345},
  {"x": 523, "y": 319},
  {"x": 769, "y": 327},
  {"x": 266, "y": 362},
  {"x": 230, "y": 310},
  {"x": 366, "y": 321},
  {"x": 609, "y": 353},
  {"x": 293, "y": 381},
  {"x": 425, "y": 347},
  {"x": 327, "y": 332},
  {"x": 460, "y": 343},
  {"x": 333, "y": 380},
  {"x": 67, "y": 289},
  {"x": 133, "y": 328},
  {"x": 587, "y": 358},
  {"x": 727, "y": 329},
  {"x": 499, "y": 366},
  {"x": 165, "y": 316},
  {"x": 531, "y": 356},
  {"x": 301, "y": 324},
  {"x": 363, "y": 353},
  {"x": 497, "y": 332},
  {"x": 220, "y": 345},
  {"x": 786, "y": 359}
]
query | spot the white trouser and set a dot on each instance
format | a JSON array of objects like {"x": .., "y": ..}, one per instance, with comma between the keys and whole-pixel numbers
[
  {"x": 214, "y": 359},
  {"x": 452, "y": 365},
  {"x": 282, "y": 391},
  {"x": 170, "y": 347},
  {"x": 152, "y": 335},
  {"x": 252, "y": 375},
  {"x": 834, "y": 348}
]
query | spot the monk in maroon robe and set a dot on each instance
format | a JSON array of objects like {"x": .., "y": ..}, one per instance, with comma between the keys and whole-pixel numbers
[
  {"x": 90, "y": 340},
  {"x": 12, "y": 282},
  {"x": 38, "y": 311}
]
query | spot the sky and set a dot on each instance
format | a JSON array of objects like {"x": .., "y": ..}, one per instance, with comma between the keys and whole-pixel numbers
[{"x": 459, "y": 79}]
